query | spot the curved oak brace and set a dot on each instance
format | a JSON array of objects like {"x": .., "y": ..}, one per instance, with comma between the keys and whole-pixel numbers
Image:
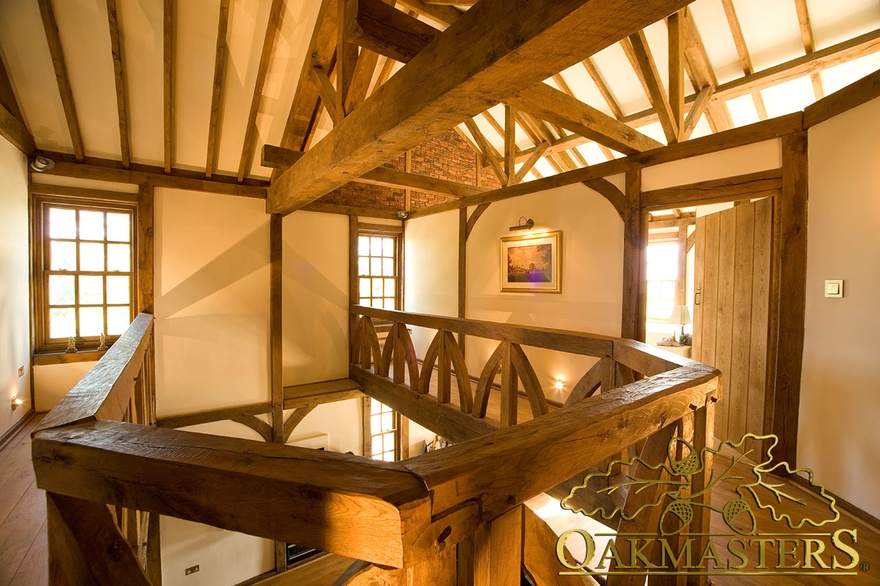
[
  {"x": 429, "y": 362},
  {"x": 295, "y": 419},
  {"x": 453, "y": 351},
  {"x": 407, "y": 350},
  {"x": 258, "y": 425},
  {"x": 370, "y": 345},
  {"x": 529, "y": 379},
  {"x": 484, "y": 385},
  {"x": 383, "y": 365},
  {"x": 588, "y": 385}
]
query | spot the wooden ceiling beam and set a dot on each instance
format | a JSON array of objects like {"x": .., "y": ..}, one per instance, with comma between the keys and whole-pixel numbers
[
  {"x": 326, "y": 90},
  {"x": 217, "y": 88},
  {"x": 698, "y": 108},
  {"x": 486, "y": 150},
  {"x": 346, "y": 59},
  {"x": 451, "y": 2},
  {"x": 12, "y": 126},
  {"x": 444, "y": 15},
  {"x": 809, "y": 44},
  {"x": 639, "y": 54},
  {"x": 321, "y": 53},
  {"x": 602, "y": 87},
  {"x": 50, "y": 25},
  {"x": 509, "y": 143},
  {"x": 866, "y": 44},
  {"x": 137, "y": 174},
  {"x": 168, "y": 81},
  {"x": 547, "y": 103},
  {"x": 675, "y": 25},
  {"x": 282, "y": 158},
  {"x": 702, "y": 75},
  {"x": 530, "y": 162},
  {"x": 743, "y": 51},
  {"x": 7, "y": 94},
  {"x": 119, "y": 75},
  {"x": 494, "y": 50},
  {"x": 247, "y": 149},
  {"x": 379, "y": 27}
]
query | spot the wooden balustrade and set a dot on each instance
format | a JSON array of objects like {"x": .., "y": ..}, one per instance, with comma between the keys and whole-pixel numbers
[{"x": 407, "y": 515}]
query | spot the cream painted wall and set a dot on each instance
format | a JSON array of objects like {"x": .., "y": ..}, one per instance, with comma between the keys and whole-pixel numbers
[
  {"x": 592, "y": 277},
  {"x": 840, "y": 388},
  {"x": 53, "y": 381},
  {"x": 15, "y": 333},
  {"x": 315, "y": 285}
]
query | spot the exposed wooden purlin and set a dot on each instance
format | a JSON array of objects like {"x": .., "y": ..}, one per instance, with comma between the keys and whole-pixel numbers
[
  {"x": 579, "y": 158},
  {"x": 486, "y": 150},
  {"x": 602, "y": 87},
  {"x": 13, "y": 130},
  {"x": 610, "y": 192},
  {"x": 322, "y": 49},
  {"x": 247, "y": 150},
  {"x": 326, "y": 90},
  {"x": 278, "y": 157},
  {"x": 217, "y": 88},
  {"x": 698, "y": 108},
  {"x": 375, "y": 25},
  {"x": 202, "y": 417},
  {"x": 743, "y": 51},
  {"x": 530, "y": 162},
  {"x": 50, "y": 26},
  {"x": 773, "y": 128},
  {"x": 361, "y": 79},
  {"x": 119, "y": 75},
  {"x": 809, "y": 44},
  {"x": 639, "y": 54},
  {"x": 295, "y": 419},
  {"x": 106, "y": 170},
  {"x": 442, "y": 14},
  {"x": 494, "y": 53},
  {"x": 547, "y": 103},
  {"x": 749, "y": 186},
  {"x": 675, "y": 24},
  {"x": 856, "y": 94},
  {"x": 168, "y": 82}
]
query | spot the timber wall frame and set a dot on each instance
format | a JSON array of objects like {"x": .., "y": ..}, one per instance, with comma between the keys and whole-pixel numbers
[{"x": 396, "y": 515}]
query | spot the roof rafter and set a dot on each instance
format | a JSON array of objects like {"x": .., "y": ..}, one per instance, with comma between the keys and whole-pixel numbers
[
  {"x": 119, "y": 75},
  {"x": 247, "y": 149},
  {"x": 639, "y": 54},
  {"x": 743, "y": 52},
  {"x": 50, "y": 25},
  {"x": 602, "y": 87},
  {"x": 809, "y": 44},
  {"x": 12, "y": 126},
  {"x": 217, "y": 88}
]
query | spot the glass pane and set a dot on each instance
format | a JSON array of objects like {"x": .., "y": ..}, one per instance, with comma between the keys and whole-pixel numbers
[
  {"x": 364, "y": 287},
  {"x": 119, "y": 257},
  {"x": 389, "y": 287},
  {"x": 376, "y": 424},
  {"x": 389, "y": 304},
  {"x": 388, "y": 457},
  {"x": 62, "y": 323},
  {"x": 119, "y": 227},
  {"x": 62, "y": 223},
  {"x": 377, "y": 287},
  {"x": 375, "y": 247},
  {"x": 363, "y": 265},
  {"x": 375, "y": 406},
  {"x": 117, "y": 290},
  {"x": 61, "y": 290},
  {"x": 387, "y": 247},
  {"x": 63, "y": 255},
  {"x": 91, "y": 290},
  {"x": 377, "y": 445},
  {"x": 668, "y": 289},
  {"x": 365, "y": 301},
  {"x": 91, "y": 321},
  {"x": 388, "y": 442},
  {"x": 91, "y": 225},
  {"x": 118, "y": 320},
  {"x": 387, "y": 422},
  {"x": 388, "y": 267},
  {"x": 91, "y": 257},
  {"x": 363, "y": 246},
  {"x": 375, "y": 266}
]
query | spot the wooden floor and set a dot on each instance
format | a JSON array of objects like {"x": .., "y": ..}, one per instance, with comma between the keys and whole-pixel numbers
[{"x": 23, "y": 547}]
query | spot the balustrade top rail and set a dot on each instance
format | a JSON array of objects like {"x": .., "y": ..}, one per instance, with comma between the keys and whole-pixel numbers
[{"x": 393, "y": 514}]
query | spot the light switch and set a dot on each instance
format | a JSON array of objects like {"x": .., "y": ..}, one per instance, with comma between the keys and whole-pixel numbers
[{"x": 834, "y": 288}]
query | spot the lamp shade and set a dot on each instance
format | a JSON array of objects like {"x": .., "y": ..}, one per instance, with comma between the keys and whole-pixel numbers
[{"x": 680, "y": 315}]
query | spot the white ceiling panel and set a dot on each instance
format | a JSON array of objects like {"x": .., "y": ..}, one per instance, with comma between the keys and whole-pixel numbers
[
  {"x": 771, "y": 31},
  {"x": 618, "y": 74},
  {"x": 708, "y": 15},
  {"x": 838, "y": 20},
  {"x": 29, "y": 66}
]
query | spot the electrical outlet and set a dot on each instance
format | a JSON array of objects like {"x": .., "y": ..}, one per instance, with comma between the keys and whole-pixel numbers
[
  {"x": 191, "y": 570},
  {"x": 21, "y": 371}
]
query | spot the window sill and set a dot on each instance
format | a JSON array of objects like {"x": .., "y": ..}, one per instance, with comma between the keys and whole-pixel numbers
[{"x": 47, "y": 358}]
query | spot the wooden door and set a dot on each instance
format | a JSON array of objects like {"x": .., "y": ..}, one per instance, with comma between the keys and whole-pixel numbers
[{"x": 731, "y": 312}]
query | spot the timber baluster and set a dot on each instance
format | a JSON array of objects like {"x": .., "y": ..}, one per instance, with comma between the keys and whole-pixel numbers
[{"x": 509, "y": 395}]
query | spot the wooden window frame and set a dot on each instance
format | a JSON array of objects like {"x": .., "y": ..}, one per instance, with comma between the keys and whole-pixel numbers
[{"x": 41, "y": 200}]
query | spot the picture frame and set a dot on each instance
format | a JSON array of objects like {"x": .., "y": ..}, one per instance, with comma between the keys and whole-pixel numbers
[{"x": 532, "y": 263}]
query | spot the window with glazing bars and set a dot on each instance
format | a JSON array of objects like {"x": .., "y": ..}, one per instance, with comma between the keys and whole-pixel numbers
[
  {"x": 377, "y": 271},
  {"x": 86, "y": 261},
  {"x": 383, "y": 431}
]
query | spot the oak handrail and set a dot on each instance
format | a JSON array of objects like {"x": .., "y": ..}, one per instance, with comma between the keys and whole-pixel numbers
[{"x": 391, "y": 514}]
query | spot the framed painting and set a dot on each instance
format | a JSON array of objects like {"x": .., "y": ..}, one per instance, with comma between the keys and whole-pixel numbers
[{"x": 532, "y": 263}]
